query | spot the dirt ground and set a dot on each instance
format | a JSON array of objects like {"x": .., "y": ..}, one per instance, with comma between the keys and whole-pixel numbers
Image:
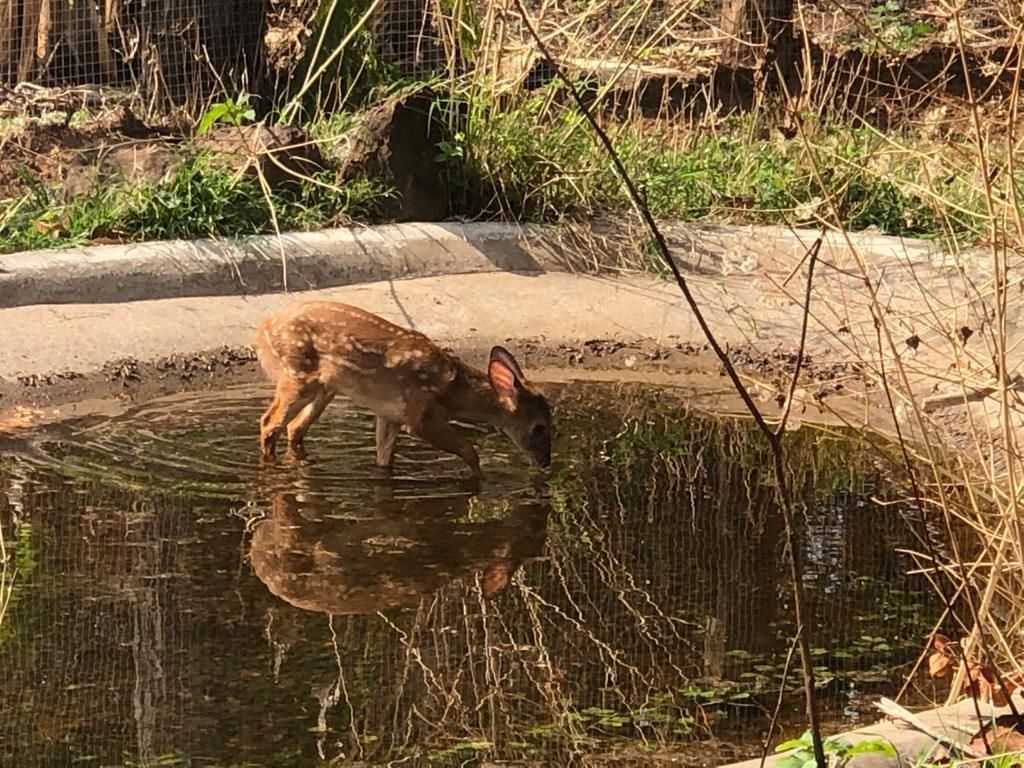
[{"x": 130, "y": 379}]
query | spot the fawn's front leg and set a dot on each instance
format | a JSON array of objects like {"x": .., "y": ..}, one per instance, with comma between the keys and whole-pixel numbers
[
  {"x": 443, "y": 436},
  {"x": 298, "y": 426},
  {"x": 289, "y": 399}
]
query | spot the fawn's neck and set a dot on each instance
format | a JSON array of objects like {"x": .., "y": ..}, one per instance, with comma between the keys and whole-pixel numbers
[{"x": 472, "y": 398}]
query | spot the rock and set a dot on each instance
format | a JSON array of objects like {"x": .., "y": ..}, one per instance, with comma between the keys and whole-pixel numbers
[
  {"x": 282, "y": 153},
  {"x": 396, "y": 144},
  {"x": 130, "y": 164}
]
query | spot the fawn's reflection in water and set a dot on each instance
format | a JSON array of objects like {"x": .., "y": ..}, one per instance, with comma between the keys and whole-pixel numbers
[{"x": 379, "y": 550}]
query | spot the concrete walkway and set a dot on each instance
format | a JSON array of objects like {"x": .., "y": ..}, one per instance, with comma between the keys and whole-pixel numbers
[{"x": 554, "y": 307}]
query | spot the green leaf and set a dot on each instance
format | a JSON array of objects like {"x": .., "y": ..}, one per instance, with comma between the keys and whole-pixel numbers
[
  {"x": 785, "y": 746},
  {"x": 213, "y": 114},
  {"x": 873, "y": 747},
  {"x": 838, "y": 743},
  {"x": 476, "y": 746},
  {"x": 739, "y": 653}
]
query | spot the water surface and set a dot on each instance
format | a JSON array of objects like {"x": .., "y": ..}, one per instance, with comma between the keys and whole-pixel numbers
[{"x": 175, "y": 604}]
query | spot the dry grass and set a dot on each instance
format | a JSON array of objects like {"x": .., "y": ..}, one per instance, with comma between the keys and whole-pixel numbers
[{"x": 7, "y": 574}]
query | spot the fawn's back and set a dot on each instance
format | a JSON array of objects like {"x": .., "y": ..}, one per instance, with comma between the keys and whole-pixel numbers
[{"x": 377, "y": 364}]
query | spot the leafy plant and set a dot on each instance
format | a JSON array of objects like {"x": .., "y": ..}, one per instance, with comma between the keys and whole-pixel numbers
[
  {"x": 228, "y": 111},
  {"x": 838, "y": 749},
  {"x": 892, "y": 29},
  {"x": 199, "y": 198}
]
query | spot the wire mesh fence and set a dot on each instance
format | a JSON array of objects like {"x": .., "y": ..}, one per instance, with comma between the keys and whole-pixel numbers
[
  {"x": 183, "y": 52},
  {"x": 171, "y": 52}
]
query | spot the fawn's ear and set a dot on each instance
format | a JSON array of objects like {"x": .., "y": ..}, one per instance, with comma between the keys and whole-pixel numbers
[{"x": 504, "y": 373}]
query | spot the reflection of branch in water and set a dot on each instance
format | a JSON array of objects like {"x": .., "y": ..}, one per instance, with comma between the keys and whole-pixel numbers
[
  {"x": 279, "y": 649},
  {"x": 373, "y": 550},
  {"x": 330, "y": 697},
  {"x": 660, "y": 536}
]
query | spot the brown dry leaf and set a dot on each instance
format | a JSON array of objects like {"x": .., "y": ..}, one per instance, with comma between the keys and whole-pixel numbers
[
  {"x": 939, "y": 665},
  {"x": 1005, "y": 739},
  {"x": 975, "y": 684},
  {"x": 1013, "y": 681},
  {"x": 940, "y": 662},
  {"x": 982, "y": 684}
]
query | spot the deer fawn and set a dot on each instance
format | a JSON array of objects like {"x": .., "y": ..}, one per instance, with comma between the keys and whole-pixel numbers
[{"x": 314, "y": 349}]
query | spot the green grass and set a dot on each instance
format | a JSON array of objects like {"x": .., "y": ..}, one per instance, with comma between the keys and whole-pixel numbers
[
  {"x": 537, "y": 164},
  {"x": 201, "y": 199},
  {"x": 541, "y": 163}
]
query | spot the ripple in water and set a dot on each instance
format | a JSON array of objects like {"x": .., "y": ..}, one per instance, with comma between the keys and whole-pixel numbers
[{"x": 206, "y": 444}]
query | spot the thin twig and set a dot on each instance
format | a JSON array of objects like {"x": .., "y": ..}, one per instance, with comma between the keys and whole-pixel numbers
[
  {"x": 774, "y": 440},
  {"x": 778, "y": 703},
  {"x": 788, "y": 406}
]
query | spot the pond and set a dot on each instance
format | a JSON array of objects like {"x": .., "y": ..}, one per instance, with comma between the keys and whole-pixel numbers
[{"x": 177, "y": 604}]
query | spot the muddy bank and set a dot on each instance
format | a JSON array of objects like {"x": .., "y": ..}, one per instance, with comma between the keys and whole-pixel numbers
[{"x": 691, "y": 368}]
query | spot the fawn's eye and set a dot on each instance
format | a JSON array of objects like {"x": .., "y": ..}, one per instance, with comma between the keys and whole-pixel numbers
[{"x": 538, "y": 430}]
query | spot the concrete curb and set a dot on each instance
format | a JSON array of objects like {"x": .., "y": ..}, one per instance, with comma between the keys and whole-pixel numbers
[
  {"x": 323, "y": 259},
  {"x": 338, "y": 257}
]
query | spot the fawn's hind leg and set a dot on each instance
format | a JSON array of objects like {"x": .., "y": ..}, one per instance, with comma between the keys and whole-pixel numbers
[
  {"x": 298, "y": 426},
  {"x": 387, "y": 438},
  {"x": 289, "y": 398}
]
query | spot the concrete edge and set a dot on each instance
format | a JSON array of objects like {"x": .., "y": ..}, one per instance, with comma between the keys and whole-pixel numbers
[
  {"x": 321, "y": 259},
  {"x": 345, "y": 256}
]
